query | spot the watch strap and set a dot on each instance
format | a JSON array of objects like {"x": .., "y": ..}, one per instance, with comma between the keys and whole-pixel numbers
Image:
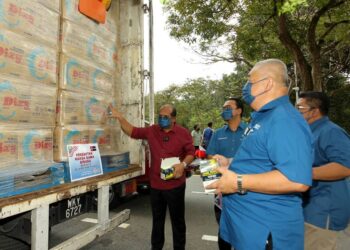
[{"x": 240, "y": 189}]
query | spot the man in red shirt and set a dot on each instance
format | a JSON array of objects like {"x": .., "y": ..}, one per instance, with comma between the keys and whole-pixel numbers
[{"x": 166, "y": 140}]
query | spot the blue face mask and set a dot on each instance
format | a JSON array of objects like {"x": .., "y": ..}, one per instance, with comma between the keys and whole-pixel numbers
[
  {"x": 164, "y": 122},
  {"x": 247, "y": 93},
  {"x": 227, "y": 114}
]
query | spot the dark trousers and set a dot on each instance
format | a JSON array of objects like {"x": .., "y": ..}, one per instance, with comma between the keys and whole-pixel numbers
[
  {"x": 174, "y": 199},
  {"x": 223, "y": 245}
]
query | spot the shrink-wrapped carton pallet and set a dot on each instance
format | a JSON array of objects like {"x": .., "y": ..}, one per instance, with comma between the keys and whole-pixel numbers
[
  {"x": 83, "y": 109},
  {"x": 68, "y": 135},
  {"x": 79, "y": 75},
  {"x": 21, "y": 145},
  {"x": 86, "y": 44},
  {"x": 8, "y": 147},
  {"x": 31, "y": 19},
  {"x": 25, "y": 59},
  {"x": 70, "y": 11},
  {"x": 29, "y": 40},
  {"x": 103, "y": 137},
  {"x": 36, "y": 145},
  {"x": 21, "y": 102},
  {"x": 54, "y": 5},
  {"x": 81, "y": 134},
  {"x": 24, "y": 178}
]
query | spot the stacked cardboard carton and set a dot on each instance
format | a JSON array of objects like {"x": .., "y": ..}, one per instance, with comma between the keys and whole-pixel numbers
[
  {"x": 86, "y": 82},
  {"x": 29, "y": 40},
  {"x": 56, "y": 81},
  {"x": 28, "y": 79}
]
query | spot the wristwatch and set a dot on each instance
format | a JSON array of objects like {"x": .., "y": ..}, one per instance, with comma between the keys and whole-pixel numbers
[
  {"x": 240, "y": 189},
  {"x": 184, "y": 164}
]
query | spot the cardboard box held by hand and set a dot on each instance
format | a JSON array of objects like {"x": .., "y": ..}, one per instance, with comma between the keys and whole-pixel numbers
[
  {"x": 209, "y": 173},
  {"x": 166, "y": 167}
]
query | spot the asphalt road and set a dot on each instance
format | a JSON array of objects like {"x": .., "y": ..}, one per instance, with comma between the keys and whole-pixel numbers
[{"x": 200, "y": 220}]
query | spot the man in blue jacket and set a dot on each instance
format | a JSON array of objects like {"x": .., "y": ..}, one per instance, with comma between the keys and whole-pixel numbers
[
  {"x": 271, "y": 168},
  {"x": 225, "y": 141},
  {"x": 327, "y": 204},
  {"x": 207, "y": 133}
]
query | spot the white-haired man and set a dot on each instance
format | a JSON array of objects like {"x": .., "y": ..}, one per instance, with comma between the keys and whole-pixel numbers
[{"x": 271, "y": 168}]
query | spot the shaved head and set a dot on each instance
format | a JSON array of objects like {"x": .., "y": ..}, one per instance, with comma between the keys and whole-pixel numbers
[{"x": 274, "y": 68}]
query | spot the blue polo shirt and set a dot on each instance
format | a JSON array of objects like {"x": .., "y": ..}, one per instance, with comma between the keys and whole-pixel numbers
[
  {"x": 278, "y": 138},
  {"x": 328, "y": 203},
  {"x": 207, "y": 133},
  {"x": 225, "y": 142}
]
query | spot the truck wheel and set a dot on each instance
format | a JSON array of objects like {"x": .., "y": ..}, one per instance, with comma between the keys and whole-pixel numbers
[
  {"x": 113, "y": 198},
  {"x": 143, "y": 189}
]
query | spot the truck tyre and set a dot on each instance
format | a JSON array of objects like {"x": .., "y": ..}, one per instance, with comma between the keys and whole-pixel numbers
[{"x": 114, "y": 199}]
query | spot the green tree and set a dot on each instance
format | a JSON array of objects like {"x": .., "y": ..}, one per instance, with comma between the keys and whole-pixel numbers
[
  {"x": 340, "y": 107},
  {"x": 200, "y": 100},
  {"x": 314, "y": 33}
]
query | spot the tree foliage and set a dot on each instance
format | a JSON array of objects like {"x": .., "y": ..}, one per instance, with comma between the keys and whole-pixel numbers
[
  {"x": 340, "y": 107},
  {"x": 199, "y": 101},
  {"x": 312, "y": 33}
]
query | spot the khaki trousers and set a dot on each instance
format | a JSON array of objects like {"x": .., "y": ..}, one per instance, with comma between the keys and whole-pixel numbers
[{"x": 317, "y": 238}]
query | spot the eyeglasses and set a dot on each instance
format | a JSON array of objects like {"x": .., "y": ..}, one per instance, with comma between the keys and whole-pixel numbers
[{"x": 305, "y": 109}]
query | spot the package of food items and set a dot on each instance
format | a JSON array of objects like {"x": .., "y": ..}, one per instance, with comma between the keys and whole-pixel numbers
[
  {"x": 21, "y": 102},
  {"x": 166, "y": 167},
  {"x": 209, "y": 173},
  {"x": 83, "y": 43},
  {"x": 31, "y": 19},
  {"x": 79, "y": 75},
  {"x": 22, "y": 58},
  {"x": 83, "y": 109},
  {"x": 82, "y": 134},
  {"x": 70, "y": 11}
]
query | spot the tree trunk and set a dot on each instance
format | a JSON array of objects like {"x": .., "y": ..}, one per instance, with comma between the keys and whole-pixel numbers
[
  {"x": 314, "y": 47},
  {"x": 303, "y": 67},
  {"x": 317, "y": 73}
]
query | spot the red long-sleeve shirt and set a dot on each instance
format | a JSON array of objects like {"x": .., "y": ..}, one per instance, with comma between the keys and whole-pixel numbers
[{"x": 175, "y": 143}]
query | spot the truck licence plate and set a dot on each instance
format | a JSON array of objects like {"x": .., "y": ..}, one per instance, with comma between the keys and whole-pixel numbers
[{"x": 74, "y": 206}]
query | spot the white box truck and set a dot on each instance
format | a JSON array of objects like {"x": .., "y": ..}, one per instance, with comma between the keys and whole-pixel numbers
[{"x": 50, "y": 44}]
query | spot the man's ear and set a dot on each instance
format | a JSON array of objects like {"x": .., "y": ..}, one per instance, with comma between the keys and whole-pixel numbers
[
  {"x": 239, "y": 111},
  {"x": 270, "y": 84},
  {"x": 315, "y": 112}
]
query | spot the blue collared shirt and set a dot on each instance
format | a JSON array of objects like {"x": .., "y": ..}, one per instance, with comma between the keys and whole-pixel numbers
[
  {"x": 225, "y": 141},
  {"x": 328, "y": 203},
  {"x": 278, "y": 138}
]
